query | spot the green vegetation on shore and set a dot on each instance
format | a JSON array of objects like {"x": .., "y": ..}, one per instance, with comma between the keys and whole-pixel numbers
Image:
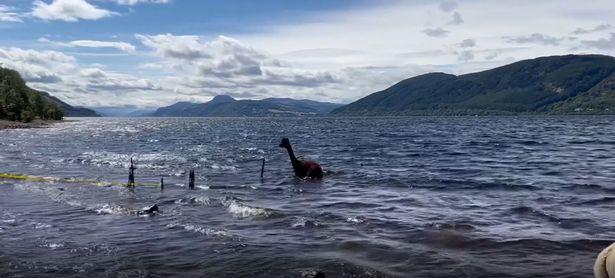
[
  {"x": 19, "y": 102},
  {"x": 571, "y": 84}
]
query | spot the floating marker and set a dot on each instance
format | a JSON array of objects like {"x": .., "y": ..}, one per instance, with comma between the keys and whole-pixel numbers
[{"x": 161, "y": 184}]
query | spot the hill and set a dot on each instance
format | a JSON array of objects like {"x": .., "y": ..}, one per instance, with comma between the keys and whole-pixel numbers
[
  {"x": 69, "y": 110},
  {"x": 568, "y": 84},
  {"x": 226, "y": 106},
  {"x": 18, "y": 102}
]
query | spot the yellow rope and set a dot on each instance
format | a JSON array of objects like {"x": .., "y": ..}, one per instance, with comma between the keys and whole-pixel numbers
[{"x": 22, "y": 177}]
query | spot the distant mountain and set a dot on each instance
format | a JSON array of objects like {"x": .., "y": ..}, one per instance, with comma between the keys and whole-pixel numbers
[
  {"x": 123, "y": 111},
  {"x": 570, "y": 84},
  {"x": 320, "y": 108},
  {"x": 226, "y": 106},
  {"x": 69, "y": 110}
]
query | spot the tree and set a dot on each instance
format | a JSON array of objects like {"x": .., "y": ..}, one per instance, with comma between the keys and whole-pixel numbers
[{"x": 20, "y": 103}]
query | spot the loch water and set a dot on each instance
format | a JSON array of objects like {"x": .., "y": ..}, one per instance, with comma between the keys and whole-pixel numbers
[{"x": 402, "y": 197}]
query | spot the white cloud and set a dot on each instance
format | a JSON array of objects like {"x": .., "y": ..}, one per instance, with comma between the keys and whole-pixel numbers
[
  {"x": 123, "y": 46},
  {"x": 119, "y": 45},
  {"x": 598, "y": 28},
  {"x": 465, "y": 55},
  {"x": 68, "y": 10},
  {"x": 170, "y": 46},
  {"x": 8, "y": 14},
  {"x": 603, "y": 43},
  {"x": 436, "y": 32},
  {"x": 448, "y": 6},
  {"x": 61, "y": 75},
  {"x": 456, "y": 19},
  {"x": 98, "y": 79},
  {"x": 467, "y": 43},
  {"x": 35, "y": 66},
  {"x": 225, "y": 64},
  {"x": 535, "y": 38}
]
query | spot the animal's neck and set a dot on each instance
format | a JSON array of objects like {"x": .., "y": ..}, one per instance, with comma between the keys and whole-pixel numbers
[{"x": 291, "y": 154}]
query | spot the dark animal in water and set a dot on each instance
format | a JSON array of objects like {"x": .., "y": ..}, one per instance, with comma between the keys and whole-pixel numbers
[
  {"x": 152, "y": 210},
  {"x": 303, "y": 169}
]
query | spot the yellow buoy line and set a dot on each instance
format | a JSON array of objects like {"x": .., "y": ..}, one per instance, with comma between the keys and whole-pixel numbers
[{"x": 22, "y": 177}]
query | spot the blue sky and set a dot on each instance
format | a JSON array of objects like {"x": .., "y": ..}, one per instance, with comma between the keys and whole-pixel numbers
[{"x": 156, "y": 52}]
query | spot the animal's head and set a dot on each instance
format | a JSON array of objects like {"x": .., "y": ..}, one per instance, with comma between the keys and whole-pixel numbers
[{"x": 285, "y": 143}]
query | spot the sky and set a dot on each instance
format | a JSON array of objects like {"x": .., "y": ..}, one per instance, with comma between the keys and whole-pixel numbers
[{"x": 151, "y": 53}]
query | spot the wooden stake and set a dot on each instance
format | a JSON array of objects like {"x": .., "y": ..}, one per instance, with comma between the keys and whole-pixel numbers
[
  {"x": 191, "y": 179},
  {"x": 263, "y": 169},
  {"x": 131, "y": 174},
  {"x": 161, "y": 184}
]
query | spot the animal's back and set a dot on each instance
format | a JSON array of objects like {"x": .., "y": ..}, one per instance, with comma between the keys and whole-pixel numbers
[{"x": 314, "y": 170}]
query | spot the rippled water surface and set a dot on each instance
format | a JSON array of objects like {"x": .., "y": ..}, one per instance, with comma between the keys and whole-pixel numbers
[{"x": 403, "y": 197}]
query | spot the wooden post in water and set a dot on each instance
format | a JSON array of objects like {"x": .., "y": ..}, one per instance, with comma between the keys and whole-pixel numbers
[
  {"x": 161, "y": 184},
  {"x": 263, "y": 168},
  {"x": 191, "y": 179},
  {"x": 131, "y": 174}
]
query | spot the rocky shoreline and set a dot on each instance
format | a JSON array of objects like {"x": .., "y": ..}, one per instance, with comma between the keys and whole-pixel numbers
[{"x": 4, "y": 124}]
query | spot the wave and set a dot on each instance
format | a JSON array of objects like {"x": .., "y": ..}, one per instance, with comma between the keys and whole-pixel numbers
[
  {"x": 356, "y": 220},
  {"x": 224, "y": 167},
  {"x": 529, "y": 211},
  {"x": 458, "y": 184},
  {"x": 200, "y": 229},
  {"x": 240, "y": 210},
  {"x": 533, "y": 143},
  {"x": 590, "y": 187},
  {"x": 598, "y": 201},
  {"x": 40, "y": 226},
  {"x": 351, "y": 205},
  {"x": 148, "y": 161},
  {"x": 53, "y": 246},
  {"x": 567, "y": 223},
  {"x": 111, "y": 209},
  {"x": 235, "y": 207},
  {"x": 465, "y": 241},
  {"x": 302, "y": 222},
  {"x": 452, "y": 226}
]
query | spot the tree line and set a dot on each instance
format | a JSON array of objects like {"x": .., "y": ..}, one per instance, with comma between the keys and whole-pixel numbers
[{"x": 20, "y": 103}]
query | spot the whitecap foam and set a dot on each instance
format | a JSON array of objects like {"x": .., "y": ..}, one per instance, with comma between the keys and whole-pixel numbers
[
  {"x": 53, "y": 246},
  {"x": 200, "y": 229},
  {"x": 302, "y": 222},
  {"x": 148, "y": 161},
  {"x": 110, "y": 209},
  {"x": 39, "y": 226},
  {"x": 223, "y": 167},
  {"x": 356, "y": 220},
  {"x": 241, "y": 210},
  {"x": 74, "y": 203},
  {"x": 202, "y": 200}
]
